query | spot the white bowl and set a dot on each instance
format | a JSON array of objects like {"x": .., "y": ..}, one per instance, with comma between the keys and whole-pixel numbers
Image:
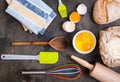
[
  {"x": 68, "y": 26},
  {"x": 84, "y": 52}
]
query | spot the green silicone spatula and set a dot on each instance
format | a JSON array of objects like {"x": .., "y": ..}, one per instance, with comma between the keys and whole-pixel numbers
[
  {"x": 43, "y": 57},
  {"x": 62, "y": 9}
]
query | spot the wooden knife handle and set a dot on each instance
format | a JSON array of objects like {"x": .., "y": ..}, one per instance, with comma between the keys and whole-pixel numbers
[{"x": 28, "y": 43}]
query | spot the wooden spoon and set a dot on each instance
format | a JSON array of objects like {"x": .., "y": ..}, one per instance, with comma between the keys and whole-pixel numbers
[{"x": 58, "y": 43}]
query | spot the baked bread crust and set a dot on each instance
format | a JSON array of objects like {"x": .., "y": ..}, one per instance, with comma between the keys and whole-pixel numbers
[
  {"x": 109, "y": 46},
  {"x": 99, "y": 12},
  {"x": 106, "y": 11}
]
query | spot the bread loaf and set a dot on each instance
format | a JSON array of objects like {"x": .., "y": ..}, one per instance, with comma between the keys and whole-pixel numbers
[{"x": 106, "y": 11}]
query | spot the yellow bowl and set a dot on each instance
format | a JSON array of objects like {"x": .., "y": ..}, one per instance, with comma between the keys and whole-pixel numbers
[{"x": 84, "y": 42}]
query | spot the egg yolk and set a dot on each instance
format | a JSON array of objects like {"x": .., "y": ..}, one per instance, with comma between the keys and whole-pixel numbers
[
  {"x": 75, "y": 17},
  {"x": 84, "y": 41}
]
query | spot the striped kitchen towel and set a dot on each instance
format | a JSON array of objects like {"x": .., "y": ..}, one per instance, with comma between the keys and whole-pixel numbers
[{"x": 34, "y": 14}]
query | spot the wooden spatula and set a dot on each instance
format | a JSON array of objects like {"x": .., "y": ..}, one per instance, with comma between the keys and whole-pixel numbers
[{"x": 58, "y": 43}]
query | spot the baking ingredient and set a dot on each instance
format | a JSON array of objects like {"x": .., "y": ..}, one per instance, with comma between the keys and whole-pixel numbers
[
  {"x": 75, "y": 17},
  {"x": 43, "y": 57},
  {"x": 84, "y": 41},
  {"x": 114, "y": 48},
  {"x": 106, "y": 11},
  {"x": 68, "y": 26},
  {"x": 109, "y": 46},
  {"x": 99, "y": 71},
  {"x": 58, "y": 43},
  {"x": 68, "y": 72},
  {"x": 82, "y": 9},
  {"x": 62, "y": 9}
]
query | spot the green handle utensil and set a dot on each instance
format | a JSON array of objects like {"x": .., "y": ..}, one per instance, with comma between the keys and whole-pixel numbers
[
  {"x": 43, "y": 57},
  {"x": 62, "y": 9}
]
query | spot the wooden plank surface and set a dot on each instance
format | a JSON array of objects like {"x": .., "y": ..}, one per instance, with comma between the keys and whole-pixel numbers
[{"x": 11, "y": 30}]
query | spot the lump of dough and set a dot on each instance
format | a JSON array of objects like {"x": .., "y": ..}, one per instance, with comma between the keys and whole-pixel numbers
[{"x": 109, "y": 46}]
